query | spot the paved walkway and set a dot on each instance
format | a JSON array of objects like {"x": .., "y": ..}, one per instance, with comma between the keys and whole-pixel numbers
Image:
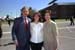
[{"x": 66, "y": 37}]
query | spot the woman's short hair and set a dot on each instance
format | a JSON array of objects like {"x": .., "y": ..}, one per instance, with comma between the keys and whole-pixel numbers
[
  {"x": 39, "y": 15},
  {"x": 48, "y": 11}
]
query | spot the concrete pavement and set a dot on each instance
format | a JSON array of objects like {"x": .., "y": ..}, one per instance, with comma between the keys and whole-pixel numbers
[{"x": 66, "y": 37}]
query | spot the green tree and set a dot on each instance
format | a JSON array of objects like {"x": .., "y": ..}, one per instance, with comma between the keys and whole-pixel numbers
[{"x": 31, "y": 11}]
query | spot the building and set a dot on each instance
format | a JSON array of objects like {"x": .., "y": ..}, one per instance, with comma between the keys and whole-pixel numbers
[{"x": 60, "y": 10}]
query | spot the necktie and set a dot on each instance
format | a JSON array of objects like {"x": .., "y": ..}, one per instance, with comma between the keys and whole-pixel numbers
[{"x": 26, "y": 24}]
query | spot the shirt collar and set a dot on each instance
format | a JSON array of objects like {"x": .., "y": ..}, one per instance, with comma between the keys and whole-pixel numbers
[{"x": 25, "y": 17}]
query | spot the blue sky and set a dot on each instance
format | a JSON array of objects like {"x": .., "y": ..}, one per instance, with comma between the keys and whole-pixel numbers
[{"x": 12, "y": 7}]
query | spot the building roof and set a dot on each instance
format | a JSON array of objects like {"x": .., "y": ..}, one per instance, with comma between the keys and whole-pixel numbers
[
  {"x": 61, "y": 3},
  {"x": 66, "y": 3},
  {"x": 53, "y": 1}
]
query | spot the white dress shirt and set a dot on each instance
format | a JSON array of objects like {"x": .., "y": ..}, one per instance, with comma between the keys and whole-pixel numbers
[
  {"x": 36, "y": 32},
  {"x": 27, "y": 19}
]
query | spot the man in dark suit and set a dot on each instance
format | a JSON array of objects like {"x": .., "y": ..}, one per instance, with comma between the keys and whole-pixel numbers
[
  {"x": 0, "y": 31},
  {"x": 21, "y": 30}
]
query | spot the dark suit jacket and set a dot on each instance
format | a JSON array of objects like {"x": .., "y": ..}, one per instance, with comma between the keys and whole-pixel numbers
[{"x": 19, "y": 33}]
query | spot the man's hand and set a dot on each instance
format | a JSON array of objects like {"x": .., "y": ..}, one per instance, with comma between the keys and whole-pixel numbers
[{"x": 16, "y": 42}]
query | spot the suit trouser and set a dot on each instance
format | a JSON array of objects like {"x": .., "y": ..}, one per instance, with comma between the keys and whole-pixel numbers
[
  {"x": 36, "y": 46},
  {"x": 26, "y": 47}
]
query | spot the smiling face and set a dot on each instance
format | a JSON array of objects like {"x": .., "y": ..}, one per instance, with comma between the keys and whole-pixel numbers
[
  {"x": 24, "y": 11},
  {"x": 47, "y": 16},
  {"x": 36, "y": 17}
]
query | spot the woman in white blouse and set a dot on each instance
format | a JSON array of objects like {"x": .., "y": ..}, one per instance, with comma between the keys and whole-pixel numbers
[{"x": 36, "y": 40}]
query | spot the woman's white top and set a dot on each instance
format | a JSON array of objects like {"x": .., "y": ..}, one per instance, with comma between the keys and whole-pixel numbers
[{"x": 36, "y": 32}]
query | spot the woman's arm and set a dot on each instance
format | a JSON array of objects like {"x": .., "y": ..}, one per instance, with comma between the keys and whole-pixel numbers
[{"x": 55, "y": 29}]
